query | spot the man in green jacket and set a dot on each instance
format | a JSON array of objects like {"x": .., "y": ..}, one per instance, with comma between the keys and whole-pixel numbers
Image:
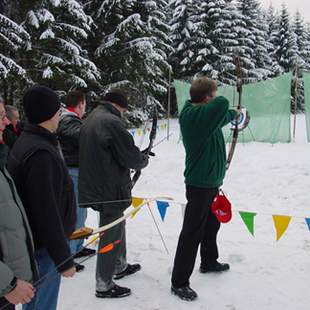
[{"x": 201, "y": 122}]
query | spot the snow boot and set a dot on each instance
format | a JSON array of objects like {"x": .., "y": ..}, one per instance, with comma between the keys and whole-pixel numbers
[
  {"x": 213, "y": 267},
  {"x": 131, "y": 269},
  {"x": 115, "y": 292},
  {"x": 185, "y": 293}
]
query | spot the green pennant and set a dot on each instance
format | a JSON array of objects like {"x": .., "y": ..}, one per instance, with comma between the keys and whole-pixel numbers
[{"x": 248, "y": 219}]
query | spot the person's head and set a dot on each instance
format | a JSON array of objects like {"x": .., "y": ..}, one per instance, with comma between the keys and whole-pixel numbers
[
  {"x": 42, "y": 107},
  {"x": 12, "y": 114},
  {"x": 203, "y": 90},
  {"x": 76, "y": 100},
  {"x": 3, "y": 119},
  {"x": 118, "y": 100}
]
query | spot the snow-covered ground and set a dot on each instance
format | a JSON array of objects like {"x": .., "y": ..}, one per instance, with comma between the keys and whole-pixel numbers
[{"x": 264, "y": 275}]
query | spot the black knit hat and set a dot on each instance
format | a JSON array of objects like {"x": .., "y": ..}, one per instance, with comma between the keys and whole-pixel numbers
[
  {"x": 40, "y": 104},
  {"x": 117, "y": 98}
]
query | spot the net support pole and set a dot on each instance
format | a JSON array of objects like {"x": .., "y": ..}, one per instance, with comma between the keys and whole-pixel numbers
[
  {"x": 169, "y": 105},
  {"x": 295, "y": 103}
]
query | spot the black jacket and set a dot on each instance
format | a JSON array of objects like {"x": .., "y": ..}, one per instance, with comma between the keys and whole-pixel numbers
[
  {"x": 69, "y": 135},
  {"x": 10, "y": 135},
  {"x": 46, "y": 190},
  {"x": 107, "y": 153}
]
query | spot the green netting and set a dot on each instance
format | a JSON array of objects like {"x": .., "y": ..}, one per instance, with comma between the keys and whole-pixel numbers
[
  {"x": 268, "y": 103},
  {"x": 307, "y": 102}
]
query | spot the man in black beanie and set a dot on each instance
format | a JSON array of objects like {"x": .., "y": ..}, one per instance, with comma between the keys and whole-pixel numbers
[
  {"x": 107, "y": 153},
  {"x": 46, "y": 190}
]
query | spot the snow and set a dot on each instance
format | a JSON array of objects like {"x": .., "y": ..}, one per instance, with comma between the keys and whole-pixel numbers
[{"x": 264, "y": 274}]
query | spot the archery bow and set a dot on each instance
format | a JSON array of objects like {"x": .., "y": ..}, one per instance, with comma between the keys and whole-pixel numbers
[
  {"x": 152, "y": 137},
  {"x": 236, "y": 129}
]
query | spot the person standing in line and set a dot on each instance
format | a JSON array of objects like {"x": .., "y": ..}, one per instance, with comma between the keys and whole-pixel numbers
[
  {"x": 17, "y": 265},
  {"x": 46, "y": 190},
  {"x": 201, "y": 121},
  {"x": 69, "y": 137},
  {"x": 107, "y": 153}
]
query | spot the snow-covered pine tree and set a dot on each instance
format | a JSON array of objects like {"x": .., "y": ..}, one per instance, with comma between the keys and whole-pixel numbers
[
  {"x": 303, "y": 45},
  {"x": 13, "y": 39},
  {"x": 187, "y": 39},
  {"x": 59, "y": 29},
  {"x": 128, "y": 52},
  {"x": 286, "y": 47},
  {"x": 272, "y": 23},
  {"x": 255, "y": 58}
]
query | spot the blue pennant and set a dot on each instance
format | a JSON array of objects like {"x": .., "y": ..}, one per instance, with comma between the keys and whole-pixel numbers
[
  {"x": 162, "y": 208},
  {"x": 308, "y": 222},
  {"x": 133, "y": 132}
]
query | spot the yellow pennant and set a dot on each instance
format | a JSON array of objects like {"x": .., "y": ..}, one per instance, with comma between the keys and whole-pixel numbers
[
  {"x": 136, "y": 202},
  {"x": 281, "y": 223},
  {"x": 139, "y": 132}
]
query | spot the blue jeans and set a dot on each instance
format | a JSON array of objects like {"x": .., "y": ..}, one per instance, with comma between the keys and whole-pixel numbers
[
  {"x": 47, "y": 290},
  {"x": 81, "y": 213}
]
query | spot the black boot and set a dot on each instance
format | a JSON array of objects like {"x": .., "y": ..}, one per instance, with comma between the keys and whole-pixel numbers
[
  {"x": 79, "y": 267},
  {"x": 85, "y": 252},
  {"x": 128, "y": 271},
  {"x": 115, "y": 292},
  {"x": 185, "y": 293},
  {"x": 213, "y": 267}
]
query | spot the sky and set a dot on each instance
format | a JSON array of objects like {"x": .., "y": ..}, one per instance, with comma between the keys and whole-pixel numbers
[{"x": 292, "y": 5}]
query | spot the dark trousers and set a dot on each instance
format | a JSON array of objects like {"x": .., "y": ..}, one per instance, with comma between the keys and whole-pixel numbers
[
  {"x": 200, "y": 226},
  {"x": 3, "y": 302}
]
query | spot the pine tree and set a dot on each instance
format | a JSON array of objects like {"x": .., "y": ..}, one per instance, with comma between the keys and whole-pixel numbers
[
  {"x": 13, "y": 41},
  {"x": 272, "y": 23},
  {"x": 187, "y": 39},
  {"x": 286, "y": 47},
  {"x": 130, "y": 54},
  {"x": 58, "y": 29},
  {"x": 303, "y": 45},
  {"x": 257, "y": 61}
]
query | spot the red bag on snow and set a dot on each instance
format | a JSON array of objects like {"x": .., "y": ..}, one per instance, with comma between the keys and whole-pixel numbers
[{"x": 221, "y": 208}]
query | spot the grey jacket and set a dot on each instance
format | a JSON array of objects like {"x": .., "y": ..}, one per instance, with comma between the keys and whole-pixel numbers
[
  {"x": 107, "y": 153},
  {"x": 16, "y": 244}
]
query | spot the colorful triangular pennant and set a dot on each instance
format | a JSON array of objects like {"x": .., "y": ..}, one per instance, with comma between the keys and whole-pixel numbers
[
  {"x": 136, "y": 202},
  {"x": 248, "y": 219},
  {"x": 281, "y": 223},
  {"x": 162, "y": 208}
]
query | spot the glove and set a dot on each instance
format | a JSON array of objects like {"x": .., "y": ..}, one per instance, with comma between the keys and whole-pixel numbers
[{"x": 145, "y": 152}]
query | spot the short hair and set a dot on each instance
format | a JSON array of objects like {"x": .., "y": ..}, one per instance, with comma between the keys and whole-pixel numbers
[
  {"x": 10, "y": 109},
  {"x": 202, "y": 87},
  {"x": 74, "y": 98}
]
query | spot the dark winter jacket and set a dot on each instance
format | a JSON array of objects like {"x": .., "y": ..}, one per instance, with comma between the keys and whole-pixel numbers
[
  {"x": 107, "y": 153},
  {"x": 69, "y": 135},
  {"x": 201, "y": 128},
  {"x": 16, "y": 244},
  {"x": 46, "y": 190},
  {"x": 10, "y": 135}
]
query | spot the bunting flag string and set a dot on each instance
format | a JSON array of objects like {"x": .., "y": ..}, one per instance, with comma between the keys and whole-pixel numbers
[
  {"x": 142, "y": 131},
  {"x": 281, "y": 222}
]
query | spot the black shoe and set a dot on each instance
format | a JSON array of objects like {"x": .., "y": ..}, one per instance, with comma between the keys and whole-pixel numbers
[
  {"x": 185, "y": 293},
  {"x": 79, "y": 267},
  {"x": 213, "y": 267},
  {"x": 131, "y": 269},
  {"x": 115, "y": 292},
  {"x": 85, "y": 252}
]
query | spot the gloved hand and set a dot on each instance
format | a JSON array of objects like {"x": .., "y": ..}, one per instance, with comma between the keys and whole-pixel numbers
[{"x": 145, "y": 152}]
